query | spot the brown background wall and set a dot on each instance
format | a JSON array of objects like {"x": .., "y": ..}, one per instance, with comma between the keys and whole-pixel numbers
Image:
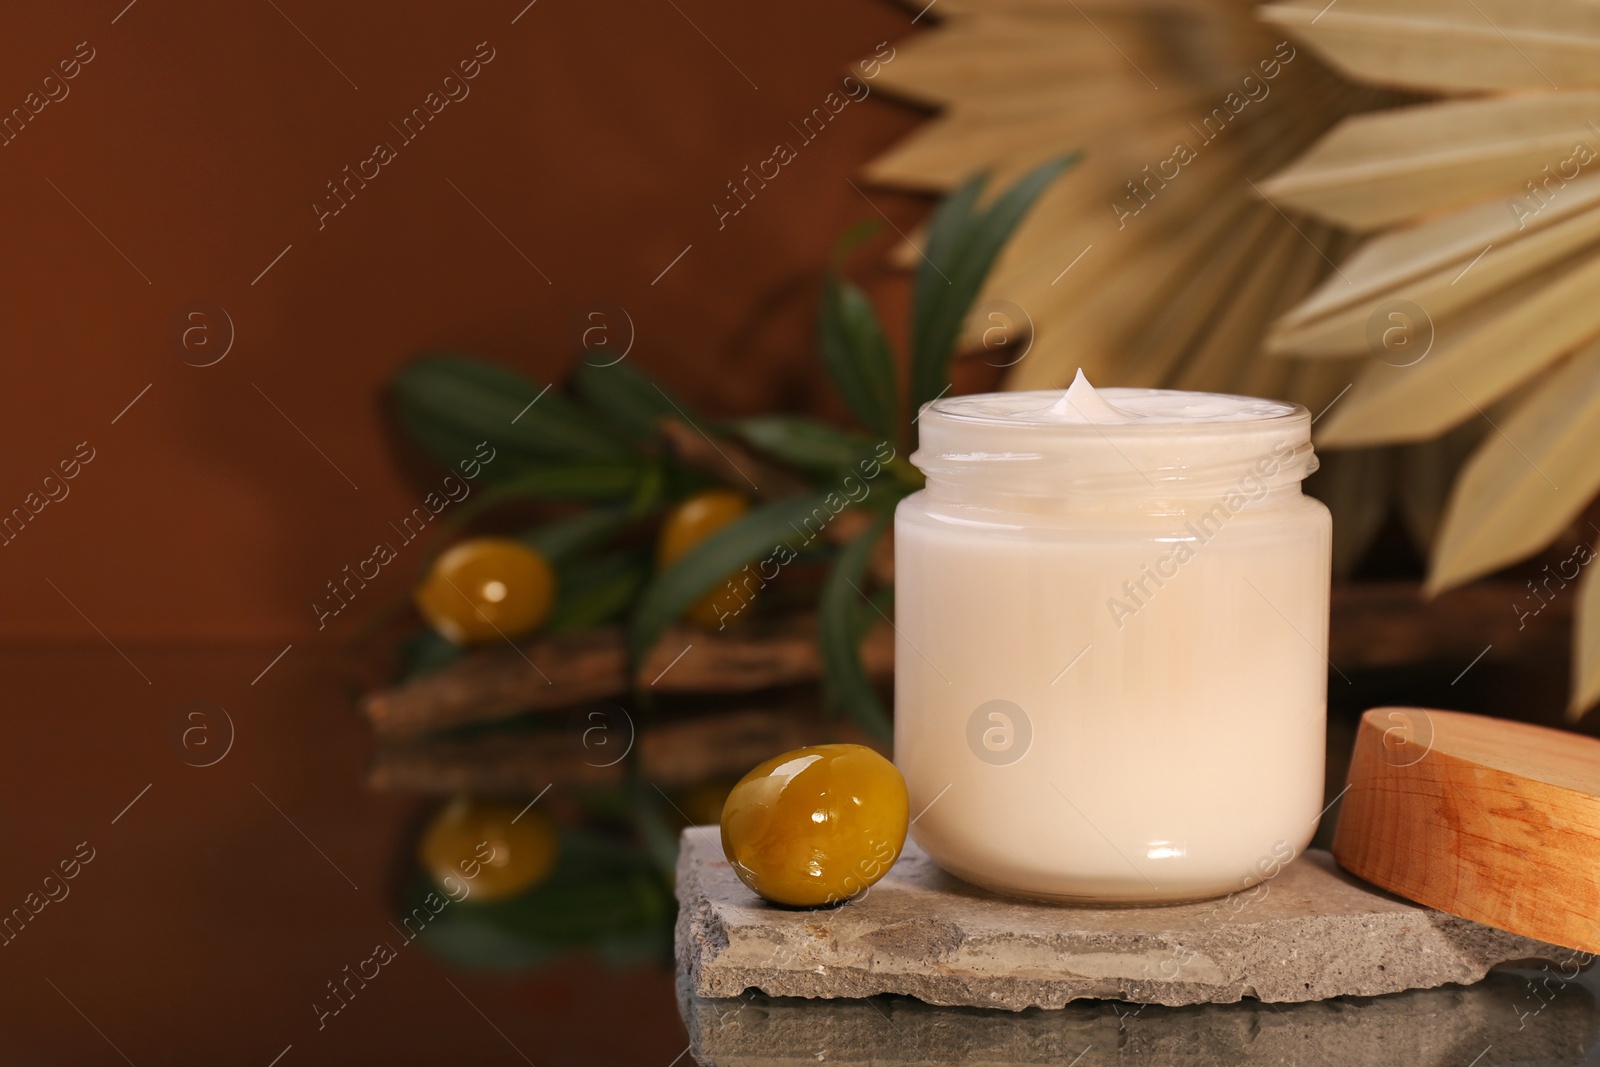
[{"x": 187, "y": 155}]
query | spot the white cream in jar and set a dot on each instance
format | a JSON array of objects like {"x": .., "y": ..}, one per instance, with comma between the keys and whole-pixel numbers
[{"x": 1110, "y": 669}]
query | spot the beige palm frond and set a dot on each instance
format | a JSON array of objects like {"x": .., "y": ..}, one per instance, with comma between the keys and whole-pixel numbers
[
  {"x": 1445, "y": 265},
  {"x": 1445, "y": 156},
  {"x": 1485, "y": 213},
  {"x": 1424, "y": 476},
  {"x": 1386, "y": 167},
  {"x": 1586, "y": 641},
  {"x": 1139, "y": 278},
  {"x": 1528, "y": 481},
  {"x": 1446, "y": 46},
  {"x": 1477, "y": 356}
]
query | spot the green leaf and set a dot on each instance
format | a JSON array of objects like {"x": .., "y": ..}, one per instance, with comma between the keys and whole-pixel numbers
[
  {"x": 425, "y": 652},
  {"x": 874, "y": 609},
  {"x": 558, "y": 540},
  {"x": 449, "y": 403},
  {"x": 853, "y": 237},
  {"x": 590, "y": 593},
  {"x": 886, "y": 492},
  {"x": 950, "y": 222},
  {"x": 448, "y": 445},
  {"x": 839, "y": 633},
  {"x": 627, "y": 396},
  {"x": 803, "y": 443},
  {"x": 754, "y": 535},
  {"x": 963, "y": 244},
  {"x": 650, "y": 490},
  {"x": 857, "y": 355},
  {"x": 582, "y": 482}
]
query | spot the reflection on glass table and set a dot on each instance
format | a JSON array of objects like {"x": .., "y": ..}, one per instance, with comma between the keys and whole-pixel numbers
[{"x": 1537, "y": 1016}]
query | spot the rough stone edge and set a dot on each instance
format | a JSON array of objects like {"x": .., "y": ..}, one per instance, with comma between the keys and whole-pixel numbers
[
  {"x": 692, "y": 935},
  {"x": 700, "y": 928}
]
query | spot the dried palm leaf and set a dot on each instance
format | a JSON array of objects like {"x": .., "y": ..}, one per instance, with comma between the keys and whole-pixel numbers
[
  {"x": 1017, "y": 81},
  {"x": 1151, "y": 272},
  {"x": 938, "y": 155},
  {"x": 1476, "y": 358},
  {"x": 1445, "y": 266},
  {"x": 1111, "y": 300},
  {"x": 1443, "y": 44},
  {"x": 1424, "y": 474},
  {"x": 1156, "y": 345},
  {"x": 1173, "y": 250},
  {"x": 1383, "y": 168},
  {"x": 1528, "y": 480},
  {"x": 1493, "y": 248},
  {"x": 1586, "y": 645},
  {"x": 1321, "y": 384},
  {"x": 1220, "y": 360}
]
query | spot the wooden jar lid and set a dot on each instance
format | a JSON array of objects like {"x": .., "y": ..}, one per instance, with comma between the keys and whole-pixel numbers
[{"x": 1494, "y": 821}]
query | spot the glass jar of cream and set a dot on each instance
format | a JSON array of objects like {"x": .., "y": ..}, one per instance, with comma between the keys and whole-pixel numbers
[{"x": 1112, "y": 616}]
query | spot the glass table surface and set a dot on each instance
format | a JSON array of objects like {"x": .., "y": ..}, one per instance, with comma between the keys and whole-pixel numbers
[{"x": 227, "y": 889}]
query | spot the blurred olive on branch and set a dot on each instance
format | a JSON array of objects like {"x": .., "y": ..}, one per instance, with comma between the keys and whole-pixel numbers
[{"x": 672, "y": 516}]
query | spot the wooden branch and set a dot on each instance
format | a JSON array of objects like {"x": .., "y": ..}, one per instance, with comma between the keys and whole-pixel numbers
[
  {"x": 730, "y": 462},
  {"x": 1374, "y": 625},
  {"x": 672, "y": 754},
  {"x": 560, "y": 672}
]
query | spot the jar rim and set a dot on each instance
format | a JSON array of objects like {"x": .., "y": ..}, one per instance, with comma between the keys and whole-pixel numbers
[
  {"x": 1194, "y": 444},
  {"x": 1256, "y": 412}
]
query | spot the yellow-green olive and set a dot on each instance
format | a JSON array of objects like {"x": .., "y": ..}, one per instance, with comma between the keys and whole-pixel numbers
[
  {"x": 487, "y": 589},
  {"x": 488, "y": 848},
  {"x": 816, "y": 825},
  {"x": 686, "y": 525}
]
